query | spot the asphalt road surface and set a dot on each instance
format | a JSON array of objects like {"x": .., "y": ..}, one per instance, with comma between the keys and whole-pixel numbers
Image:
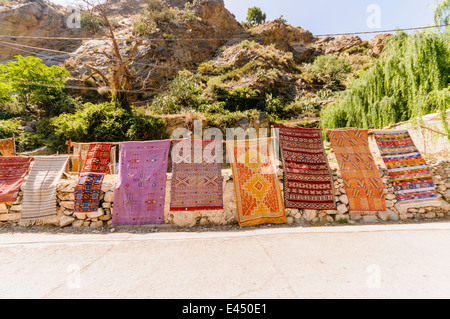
[{"x": 385, "y": 261}]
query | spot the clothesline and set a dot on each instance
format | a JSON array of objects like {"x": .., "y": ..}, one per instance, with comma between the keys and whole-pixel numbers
[{"x": 370, "y": 132}]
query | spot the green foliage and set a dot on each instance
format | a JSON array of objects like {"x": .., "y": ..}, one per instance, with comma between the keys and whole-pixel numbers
[
  {"x": 106, "y": 122},
  {"x": 331, "y": 69},
  {"x": 25, "y": 141},
  {"x": 442, "y": 13},
  {"x": 156, "y": 16},
  {"x": 38, "y": 87},
  {"x": 252, "y": 45},
  {"x": 226, "y": 119},
  {"x": 255, "y": 16},
  {"x": 91, "y": 22},
  {"x": 309, "y": 105},
  {"x": 239, "y": 99},
  {"x": 5, "y": 90},
  {"x": 410, "y": 81},
  {"x": 9, "y": 128},
  {"x": 184, "y": 94}
]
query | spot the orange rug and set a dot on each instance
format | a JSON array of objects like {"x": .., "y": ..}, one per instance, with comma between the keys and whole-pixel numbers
[
  {"x": 362, "y": 180},
  {"x": 258, "y": 195},
  {"x": 7, "y": 147}
]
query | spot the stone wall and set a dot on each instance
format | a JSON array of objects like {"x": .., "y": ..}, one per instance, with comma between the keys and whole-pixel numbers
[{"x": 11, "y": 213}]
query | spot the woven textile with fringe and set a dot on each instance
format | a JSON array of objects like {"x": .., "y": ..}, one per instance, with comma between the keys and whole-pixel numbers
[
  {"x": 308, "y": 182},
  {"x": 362, "y": 180},
  {"x": 258, "y": 194},
  {"x": 139, "y": 196},
  {"x": 197, "y": 185},
  {"x": 39, "y": 191},
  {"x": 410, "y": 174},
  {"x": 13, "y": 170}
]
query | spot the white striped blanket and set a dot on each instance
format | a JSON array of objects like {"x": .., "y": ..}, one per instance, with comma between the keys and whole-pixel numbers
[{"x": 39, "y": 191}]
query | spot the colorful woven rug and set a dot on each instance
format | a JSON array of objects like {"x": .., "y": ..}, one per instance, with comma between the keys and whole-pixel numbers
[
  {"x": 97, "y": 159},
  {"x": 139, "y": 196},
  {"x": 12, "y": 173},
  {"x": 308, "y": 182},
  {"x": 197, "y": 186},
  {"x": 362, "y": 180},
  {"x": 258, "y": 195},
  {"x": 7, "y": 147},
  {"x": 39, "y": 191},
  {"x": 87, "y": 192},
  {"x": 410, "y": 174}
]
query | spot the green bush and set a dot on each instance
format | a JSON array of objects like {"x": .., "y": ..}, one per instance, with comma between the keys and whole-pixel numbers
[
  {"x": 331, "y": 69},
  {"x": 9, "y": 128},
  {"x": 156, "y": 16},
  {"x": 226, "y": 119},
  {"x": 5, "y": 90},
  {"x": 185, "y": 94},
  {"x": 91, "y": 22},
  {"x": 39, "y": 88},
  {"x": 25, "y": 141},
  {"x": 106, "y": 122},
  {"x": 239, "y": 99}
]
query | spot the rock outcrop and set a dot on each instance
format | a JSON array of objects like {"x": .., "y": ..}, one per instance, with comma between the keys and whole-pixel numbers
[
  {"x": 377, "y": 44},
  {"x": 32, "y": 21},
  {"x": 286, "y": 38}
]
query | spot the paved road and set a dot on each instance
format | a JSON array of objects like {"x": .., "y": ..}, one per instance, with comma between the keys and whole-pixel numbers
[{"x": 389, "y": 261}]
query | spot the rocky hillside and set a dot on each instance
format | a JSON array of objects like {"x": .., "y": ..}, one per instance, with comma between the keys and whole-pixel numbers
[
  {"x": 182, "y": 60},
  {"x": 158, "y": 58}
]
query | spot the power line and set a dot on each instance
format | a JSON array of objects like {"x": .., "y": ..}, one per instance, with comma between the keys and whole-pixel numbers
[
  {"x": 134, "y": 62},
  {"x": 210, "y": 39},
  {"x": 383, "y": 31}
]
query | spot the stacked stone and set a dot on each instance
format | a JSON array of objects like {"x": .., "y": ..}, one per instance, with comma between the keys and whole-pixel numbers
[
  {"x": 441, "y": 177},
  {"x": 94, "y": 220},
  {"x": 11, "y": 212}
]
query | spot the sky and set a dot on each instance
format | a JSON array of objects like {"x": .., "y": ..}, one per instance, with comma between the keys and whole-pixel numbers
[
  {"x": 331, "y": 16},
  {"x": 343, "y": 16}
]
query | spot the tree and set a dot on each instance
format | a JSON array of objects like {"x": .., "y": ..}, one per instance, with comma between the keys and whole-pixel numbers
[
  {"x": 120, "y": 76},
  {"x": 255, "y": 16},
  {"x": 409, "y": 81},
  {"x": 442, "y": 13},
  {"x": 39, "y": 88}
]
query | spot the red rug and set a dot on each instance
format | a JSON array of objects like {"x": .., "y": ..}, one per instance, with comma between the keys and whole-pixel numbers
[
  {"x": 97, "y": 159},
  {"x": 197, "y": 186},
  {"x": 308, "y": 182},
  {"x": 12, "y": 173}
]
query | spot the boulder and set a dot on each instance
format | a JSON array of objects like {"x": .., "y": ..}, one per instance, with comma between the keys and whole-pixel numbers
[
  {"x": 342, "y": 43},
  {"x": 66, "y": 220},
  {"x": 378, "y": 42}
]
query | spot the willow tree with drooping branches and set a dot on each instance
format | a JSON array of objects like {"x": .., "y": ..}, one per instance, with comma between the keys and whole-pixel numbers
[
  {"x": 442, "y": 12},
  {"x": 410, "y": 80}
]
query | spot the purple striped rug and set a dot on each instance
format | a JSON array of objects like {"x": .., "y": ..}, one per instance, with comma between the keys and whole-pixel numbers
[{"x": 140, "y": 192}]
